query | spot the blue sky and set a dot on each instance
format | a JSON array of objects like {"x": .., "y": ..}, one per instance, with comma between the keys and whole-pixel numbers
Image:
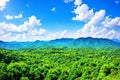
[{"x": 30, "y": 20}]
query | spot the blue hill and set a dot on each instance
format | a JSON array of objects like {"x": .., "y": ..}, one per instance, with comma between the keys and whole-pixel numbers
[
  {"x": 63, "y": 42},
  {"x": 116, "y": 40}
]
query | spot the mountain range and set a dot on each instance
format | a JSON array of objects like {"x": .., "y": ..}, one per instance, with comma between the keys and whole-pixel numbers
[
  {"x": 63, "y": 42},
  {"x": 116, "y": 40}
]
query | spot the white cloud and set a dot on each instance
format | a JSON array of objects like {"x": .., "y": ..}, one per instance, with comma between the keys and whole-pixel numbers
[
  {"x": 1, "y": 32},
  {"x": 30, "y": 24},
  {"x": 83, "y": 13},
  {"x": 56, "y": 35},
  {"x": 42, "y": 34},
  {"x": 37, "y": 32},
  {"x": 112, "y": 34},
  {"x": 3, "y": 4},
  {"x": 53, "y": 9},
  {"x": 6, "y": 37},
  {"x": 67, "y": 1},
  {"x": 27, "y": 25},
  {"x": 111, "y": 23},
  {"x": 97, "y": 26},
  {"x": 95, "y": 20},
  {"x": 8, "y": 27},
  {"x": 29, "y": 32},
  {"x": 96, "y": 32},
  {"x": 9, "y": 17},
  {"x": 96, "y": 23},
  {"x": 10, "y": 32},
  {"x": 18, "y": 16},
  {"x": 78, "y": 2}
]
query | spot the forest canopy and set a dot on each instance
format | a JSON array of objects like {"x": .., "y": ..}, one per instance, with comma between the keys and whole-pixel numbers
[{"x": 60, "y": 64}]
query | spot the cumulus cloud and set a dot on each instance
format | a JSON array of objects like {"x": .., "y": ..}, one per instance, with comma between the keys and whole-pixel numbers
[
  {"x": 77, "y": 2},
  {"x": 27, "y": 25},
  {"x": 9, "y": 17},
  {"x": 22, "y": 32},
  {"x": 96, "y": 23},
  {"x": 83, "y": 13},
  {"x": 37, "y": 31},
  {"x": 29, "y": 32},
  {"x": 95, "y": 20},
  {"x": 1, "y": 32},
  {"x": 57, "y": 35},
  {"x": 96, "y": 32},
  {"x": 111, "y": 23},
  {"x": 3, "y": 4},
  {"x": 18, "y": 16}
]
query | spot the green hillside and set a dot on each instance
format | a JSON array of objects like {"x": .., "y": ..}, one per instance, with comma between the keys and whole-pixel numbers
[{"x": 60, "y": 64}]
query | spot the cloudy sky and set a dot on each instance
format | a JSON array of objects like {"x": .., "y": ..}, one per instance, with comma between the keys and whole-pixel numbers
[{"x": 30, "y": 20}]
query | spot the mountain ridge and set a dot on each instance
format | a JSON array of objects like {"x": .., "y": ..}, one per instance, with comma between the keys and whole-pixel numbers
[
  {"x": 116, "y": 40},
  {"x": 63, "y": 42}
]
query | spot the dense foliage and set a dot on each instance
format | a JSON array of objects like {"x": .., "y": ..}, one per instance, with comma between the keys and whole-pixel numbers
[{"x": 60, "y": 64}]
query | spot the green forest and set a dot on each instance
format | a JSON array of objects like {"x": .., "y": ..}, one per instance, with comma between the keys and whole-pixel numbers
[{"x": 60, "y": 64}]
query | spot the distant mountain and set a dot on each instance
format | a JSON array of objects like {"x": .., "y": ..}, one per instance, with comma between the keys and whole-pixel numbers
[
  {"x": 95, "y": 42},
  {"x": 116, "y": 40},
  {"x": 63, "y": 42}
]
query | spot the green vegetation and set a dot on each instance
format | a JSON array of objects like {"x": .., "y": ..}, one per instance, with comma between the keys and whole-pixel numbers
[{"x": 60, "y": 64}]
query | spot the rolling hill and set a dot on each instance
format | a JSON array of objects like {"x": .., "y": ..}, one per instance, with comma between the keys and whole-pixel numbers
[{"x": 63, "y": 42}]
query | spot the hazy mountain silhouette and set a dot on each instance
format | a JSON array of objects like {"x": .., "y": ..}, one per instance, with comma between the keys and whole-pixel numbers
[
  {"x": 116, "y": 40},
  {"x": 63, "y": 42}
]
